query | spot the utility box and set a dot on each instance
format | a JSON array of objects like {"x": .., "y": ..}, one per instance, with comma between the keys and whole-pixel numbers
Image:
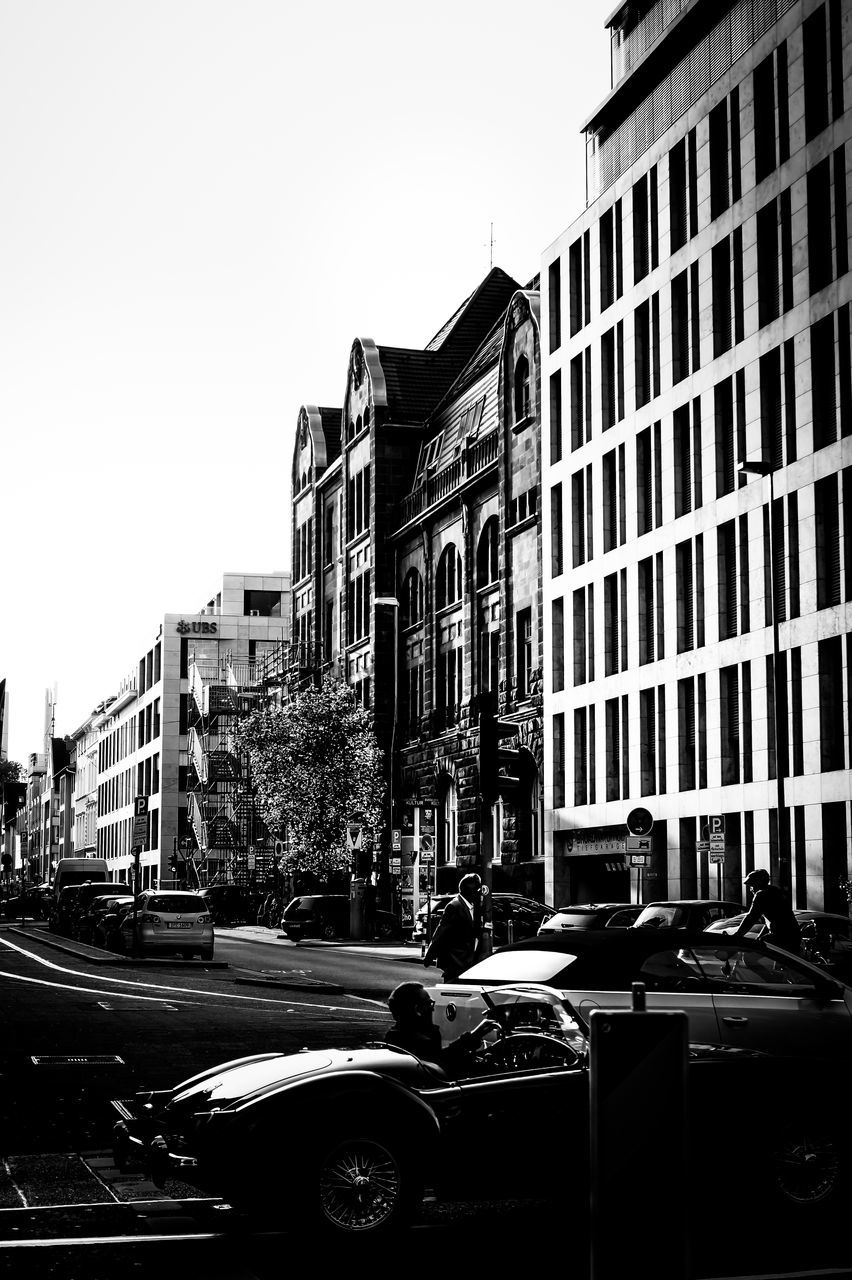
[{"x": 638, "y": 1117}]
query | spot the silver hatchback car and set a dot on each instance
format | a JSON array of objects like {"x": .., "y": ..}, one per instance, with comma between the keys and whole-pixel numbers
[{"x": 168, "y": 921}]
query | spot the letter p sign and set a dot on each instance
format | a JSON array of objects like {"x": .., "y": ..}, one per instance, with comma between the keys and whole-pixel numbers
[{"x": 716, "y": 825}]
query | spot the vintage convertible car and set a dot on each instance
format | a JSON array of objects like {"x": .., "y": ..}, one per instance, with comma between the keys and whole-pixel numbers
[{"x": 349, "y": 1140}]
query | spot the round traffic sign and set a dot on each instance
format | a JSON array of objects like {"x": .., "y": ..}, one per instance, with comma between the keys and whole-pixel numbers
[{"x": 639, "y": 822}]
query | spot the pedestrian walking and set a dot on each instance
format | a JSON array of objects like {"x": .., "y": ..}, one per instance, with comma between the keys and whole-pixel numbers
[
  {"x": 772, "y": 906},
  {"x": 454, "y": 944}
]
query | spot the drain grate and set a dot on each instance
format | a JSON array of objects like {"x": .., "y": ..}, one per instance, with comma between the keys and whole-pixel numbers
[{"x": 77, "y": 1060}]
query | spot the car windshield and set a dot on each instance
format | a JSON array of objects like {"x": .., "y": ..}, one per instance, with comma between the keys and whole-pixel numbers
[
  {"x": 519, "y": 966},
  {"x": 664, "y": 917},
  {"x": 575, "y": 919},
  {"x": 180, "y": 903}
]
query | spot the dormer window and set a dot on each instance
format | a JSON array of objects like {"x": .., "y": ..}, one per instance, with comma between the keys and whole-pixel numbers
[
  {"x": 432, "y": 452},
  {"x": 522, "y": 389}
]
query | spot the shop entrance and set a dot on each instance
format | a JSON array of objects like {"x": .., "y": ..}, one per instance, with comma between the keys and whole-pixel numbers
[{"x": 595, "y": 878}]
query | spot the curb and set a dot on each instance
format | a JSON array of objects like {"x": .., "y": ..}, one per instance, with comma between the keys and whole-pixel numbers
[{"x": 95, "y": 955}]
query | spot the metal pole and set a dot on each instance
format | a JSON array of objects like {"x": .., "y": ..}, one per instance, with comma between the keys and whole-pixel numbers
[{"x": 783, "y": 833}]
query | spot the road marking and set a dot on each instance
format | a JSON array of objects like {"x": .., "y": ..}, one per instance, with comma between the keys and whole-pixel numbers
[{"x": 155, "y": 986}]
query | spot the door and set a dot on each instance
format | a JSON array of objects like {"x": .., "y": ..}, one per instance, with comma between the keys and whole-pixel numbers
[
  {"x": 673, "y": 980},
  {"x": 765, "y": 1000}
]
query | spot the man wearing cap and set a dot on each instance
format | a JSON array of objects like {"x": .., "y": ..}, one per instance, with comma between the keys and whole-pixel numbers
[{"x": 769, "y": 904}]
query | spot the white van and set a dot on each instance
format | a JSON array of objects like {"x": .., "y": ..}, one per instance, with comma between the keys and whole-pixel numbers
[{"x": 78, "y": 871}]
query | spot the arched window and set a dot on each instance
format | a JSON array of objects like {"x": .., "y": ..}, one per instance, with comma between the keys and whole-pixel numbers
[
  {"x": 486, "y": 554},
  {"x": 449, "y": 578},
  {"x": 522, "y": 389},
  {"x": 412, "y": 599}
]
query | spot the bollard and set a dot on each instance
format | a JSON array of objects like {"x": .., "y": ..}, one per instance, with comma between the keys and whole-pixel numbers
[{"x": 638, "y": 1137}]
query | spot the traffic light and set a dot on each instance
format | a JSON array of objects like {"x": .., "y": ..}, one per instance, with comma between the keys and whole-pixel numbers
[
  {"x": 173, "y": 864},
  {"x": 499, "y": 766}
]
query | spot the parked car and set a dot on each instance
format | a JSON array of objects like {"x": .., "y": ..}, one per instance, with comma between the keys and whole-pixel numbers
[
  {"x": 326, "y": 915},
  {"x": 168, "y": 921},
  {"x": 229, "y": 904},
  {"x": 89, "y": 915},
  {"x": 826, "y": 938},
  {"x": 34, "y": 902},
  {"x": 591, "y": 915},
  {"x": 367, "y": 1129},
  {"x": 742, "y": 993},
  {"x": 74, "y": 899},
  {"x": 525, "y": 914},
  {"x": 107, "y": 928},
  {"x": 685, "y": 913}
]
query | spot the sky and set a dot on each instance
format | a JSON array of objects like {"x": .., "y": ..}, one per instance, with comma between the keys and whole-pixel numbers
[{"x": 203, "y": 204}]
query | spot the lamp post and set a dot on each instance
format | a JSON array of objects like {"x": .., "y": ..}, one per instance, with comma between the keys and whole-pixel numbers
[{"x": 763, "y": 467}]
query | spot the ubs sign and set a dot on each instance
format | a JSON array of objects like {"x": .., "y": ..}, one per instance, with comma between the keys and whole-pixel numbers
[{"x": 199, "y": 626}]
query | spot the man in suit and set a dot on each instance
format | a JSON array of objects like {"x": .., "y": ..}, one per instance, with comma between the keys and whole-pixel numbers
[{"x": 454, "y": 945}]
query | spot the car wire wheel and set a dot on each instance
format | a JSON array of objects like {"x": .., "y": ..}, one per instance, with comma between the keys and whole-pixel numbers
[
  {"x": 808, "y": 1167},
  {"x": 360, "y": 1186}
]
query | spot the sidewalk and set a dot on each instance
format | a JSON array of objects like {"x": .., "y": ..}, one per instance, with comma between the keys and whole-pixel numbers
[{"x": 388, "y": 950}]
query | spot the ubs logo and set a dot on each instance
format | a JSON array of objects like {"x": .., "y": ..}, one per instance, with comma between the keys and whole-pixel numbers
[{"x": 183, "y": 628}]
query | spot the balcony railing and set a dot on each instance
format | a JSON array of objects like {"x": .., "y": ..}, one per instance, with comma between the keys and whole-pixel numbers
[{"x": 475, "y": 456}]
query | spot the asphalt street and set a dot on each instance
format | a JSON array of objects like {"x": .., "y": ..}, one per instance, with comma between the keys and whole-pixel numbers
[{"x": 83, "y": 1027}]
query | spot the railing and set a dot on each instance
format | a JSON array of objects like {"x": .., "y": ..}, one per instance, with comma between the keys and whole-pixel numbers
[
  {"x": 196, "y": 817},
  {"x": 199, "y": 759},
  {"x": 476, "y": 455}
]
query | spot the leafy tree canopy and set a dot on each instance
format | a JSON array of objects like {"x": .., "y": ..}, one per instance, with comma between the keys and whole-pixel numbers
[
  {"x": 10, "y": 771},
  {"x": 316, "y": 765}
]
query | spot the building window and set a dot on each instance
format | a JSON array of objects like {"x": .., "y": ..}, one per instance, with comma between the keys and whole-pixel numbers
[
  {"x": 828, "y": 542},
  {"x": 522, "y": 390},
  {"x": 412, "y": 599},
  {"x": 556, "y": 549},
  {"x": 557, "y": 632},
  {"x": 486, "y": 555},
  {"x": 554, "y": 296},
  {"x": 641, "y": 242},
  {"x": 448, "y": 583},
  {"x": 647, "y": 742},
  {"x": 556, "y": 416},
  {"x": 450, "y": 684},
  {"x": 523, "y": 652},
  {"x": 558, "y": 739},
  {"x": 686, "y": 734}
]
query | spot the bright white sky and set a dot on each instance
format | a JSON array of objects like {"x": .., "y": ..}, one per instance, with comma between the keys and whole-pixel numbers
[{"x": 203, "y": 203}]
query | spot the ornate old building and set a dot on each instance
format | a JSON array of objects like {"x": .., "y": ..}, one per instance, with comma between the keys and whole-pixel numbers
[{"x": 417, "y": 578}]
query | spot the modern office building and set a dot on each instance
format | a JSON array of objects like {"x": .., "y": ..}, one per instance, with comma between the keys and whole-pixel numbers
[
  {"x": 698, "y": 420},
  {"x": 155, "y": 736}
]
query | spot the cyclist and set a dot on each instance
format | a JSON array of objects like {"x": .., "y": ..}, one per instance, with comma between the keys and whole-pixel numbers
[{"x": 769, "y": 904}]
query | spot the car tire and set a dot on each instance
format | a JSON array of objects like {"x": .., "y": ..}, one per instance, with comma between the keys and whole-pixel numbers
[
  {"x": 809, "y": 1165},
  {"x": 384, "y": 931},
  {"x": 207, "y": 953},
  {"x": 328, "y": 931},
  {"x": 365, "y": 1188}
]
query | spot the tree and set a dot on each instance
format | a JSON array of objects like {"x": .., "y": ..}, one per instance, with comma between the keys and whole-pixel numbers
[
  {"x": 10, "y": 771},
  {"x": 315, "y": 766}
]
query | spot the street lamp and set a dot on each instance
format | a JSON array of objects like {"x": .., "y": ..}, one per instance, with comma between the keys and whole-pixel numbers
[{"x": 763, "y": 467}]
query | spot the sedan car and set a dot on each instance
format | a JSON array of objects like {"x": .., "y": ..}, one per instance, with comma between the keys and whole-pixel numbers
[
  {"x": 367, "y": 1130},
  {"x": 88, "y": 918},
  {"x": 326, "y": 915},
  {"x": 743, "y": 993},
  {"x": 34, "y": 902},
  {"x": 685, "y": 913},
  {"x": 826, "y": 938},
  {"x": 168, "y": 921},
  {"x": 75, "y": 899},
  {"x": 107, "y": 928},
  {"x": 512, "y": 917},
  {"x": 592, "y": 915}
]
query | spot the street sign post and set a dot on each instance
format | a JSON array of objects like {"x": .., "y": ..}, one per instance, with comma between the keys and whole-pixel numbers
[{"x": 140, "y": 834}]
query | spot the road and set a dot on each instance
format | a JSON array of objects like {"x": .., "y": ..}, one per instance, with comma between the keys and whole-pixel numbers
[{"x": 79, "y": 1031}]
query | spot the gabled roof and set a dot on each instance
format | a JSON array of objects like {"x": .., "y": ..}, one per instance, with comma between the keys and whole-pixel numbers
[{"x": 417, "y": 381}]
